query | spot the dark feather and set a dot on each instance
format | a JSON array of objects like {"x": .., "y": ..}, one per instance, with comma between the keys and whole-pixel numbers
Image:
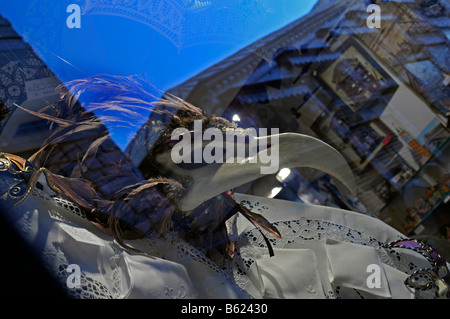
[{"x": 87, "y": 167}]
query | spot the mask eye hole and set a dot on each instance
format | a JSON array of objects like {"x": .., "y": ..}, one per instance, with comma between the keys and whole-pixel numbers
[{"x": 4, "y": 164}]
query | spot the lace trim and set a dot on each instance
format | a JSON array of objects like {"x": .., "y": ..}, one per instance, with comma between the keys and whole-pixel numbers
[
  {"x": 89, "y": 287},
  {"x": 183, "y": 252},
  {"x": 56, "y": 262},
  {"x": 297, "y": 232},
  {"x": 116, "y": 271},
  {"x": 69, "y": 206}
]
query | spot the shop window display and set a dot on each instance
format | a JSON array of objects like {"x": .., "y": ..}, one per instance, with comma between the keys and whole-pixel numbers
[{"x": 353, "y": 117}]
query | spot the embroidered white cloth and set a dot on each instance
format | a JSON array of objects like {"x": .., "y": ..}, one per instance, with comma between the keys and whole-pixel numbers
[{"x": 324, "y": 253}]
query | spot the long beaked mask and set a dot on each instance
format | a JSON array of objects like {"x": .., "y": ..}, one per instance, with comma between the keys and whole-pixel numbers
[{"x": 294, "y": 151}]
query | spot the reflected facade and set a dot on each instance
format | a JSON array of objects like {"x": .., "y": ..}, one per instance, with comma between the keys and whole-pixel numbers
[{"x": 379, "y": 96}]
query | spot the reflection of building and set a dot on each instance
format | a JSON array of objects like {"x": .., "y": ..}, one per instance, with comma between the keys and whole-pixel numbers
[
  {"x": 27, "y": 81},
  {"x": 330, "y": 76},
  {"x": 355, "y": 80},
  {"x": 435, "y": 136}
]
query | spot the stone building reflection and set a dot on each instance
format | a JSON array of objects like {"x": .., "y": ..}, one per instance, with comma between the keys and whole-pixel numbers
[{"x": 379, "y": 96}]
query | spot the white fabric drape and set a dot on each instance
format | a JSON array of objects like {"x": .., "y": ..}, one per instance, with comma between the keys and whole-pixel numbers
[{"x": 324, "y": 253}]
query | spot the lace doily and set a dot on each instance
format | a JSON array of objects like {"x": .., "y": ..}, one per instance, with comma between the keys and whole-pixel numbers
[
  {"x": 57, "y": 253},
  {"x": 42, "y": 219},
  {"x": 299, "y": 231}
]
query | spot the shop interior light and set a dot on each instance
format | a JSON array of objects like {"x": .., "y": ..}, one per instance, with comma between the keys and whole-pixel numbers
[
  {"x": 283, "y": 174},
  {"x": 236, "y": 118},
  {"x": 275, "y": 191}
]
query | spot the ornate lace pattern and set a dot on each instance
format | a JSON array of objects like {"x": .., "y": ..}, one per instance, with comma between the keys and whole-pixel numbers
[
  {"x": 172, "y": 247},
  {"x": 182, "y": 252},
  {"x": 297, "y": 232}
]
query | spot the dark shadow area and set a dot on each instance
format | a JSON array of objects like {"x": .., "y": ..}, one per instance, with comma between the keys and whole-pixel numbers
[{"x": 23, "y": 274}]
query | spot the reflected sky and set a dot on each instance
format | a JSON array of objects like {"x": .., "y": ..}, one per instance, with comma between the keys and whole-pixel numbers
[{"x": 166, "y": 41}]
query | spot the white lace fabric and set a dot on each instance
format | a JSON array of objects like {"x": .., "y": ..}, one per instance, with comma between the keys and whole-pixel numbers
[
  {"x": 324, "y": 253},
  {"x": 61, "y": 234},
  {"x": 336, "y": 246}
]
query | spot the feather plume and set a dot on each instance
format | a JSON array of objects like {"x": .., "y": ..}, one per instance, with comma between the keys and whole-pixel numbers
[{"x": 87, "y": 167}]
